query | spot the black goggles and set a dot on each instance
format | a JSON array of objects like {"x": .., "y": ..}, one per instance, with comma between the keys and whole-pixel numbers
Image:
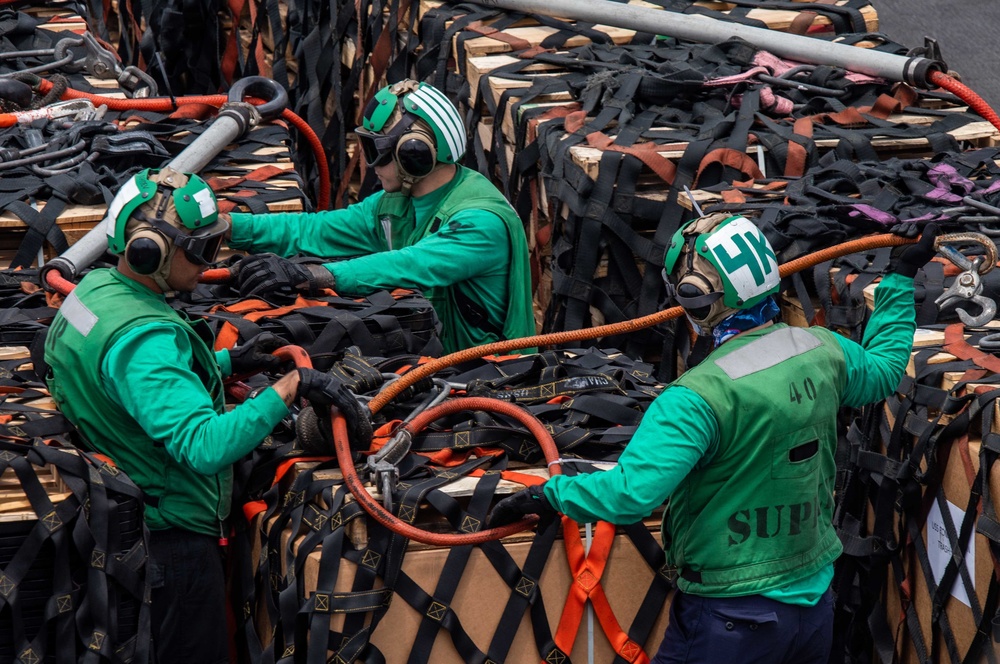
[
  {"x": 378, "y": 148},
  {"x": 201, "y": 249}
]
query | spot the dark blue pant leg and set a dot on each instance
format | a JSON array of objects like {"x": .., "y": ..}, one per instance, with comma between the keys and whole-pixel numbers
[{"x": 746, "y": 630}]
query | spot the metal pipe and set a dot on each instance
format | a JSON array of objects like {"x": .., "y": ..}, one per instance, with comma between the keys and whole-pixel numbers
[
  {"x": 695, "y": 27},
  {"x": 235, "y": 118}
]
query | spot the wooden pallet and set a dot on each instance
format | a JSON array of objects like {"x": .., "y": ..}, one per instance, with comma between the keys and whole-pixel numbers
[{"x": 14, "y": 504}]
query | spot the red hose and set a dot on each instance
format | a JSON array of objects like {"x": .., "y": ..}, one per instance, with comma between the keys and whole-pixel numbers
[
  {"x": 966, "y": 94},
  {"x": 161, "y": 104},
  {"x": 374, "y": 509},
  {"x": 58, "y": 283}
]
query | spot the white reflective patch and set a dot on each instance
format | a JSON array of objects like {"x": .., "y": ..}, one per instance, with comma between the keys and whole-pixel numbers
[
  {"x": 77, "y": 314},
  {"x": 768, "y": 351},
  {"x": 206, "y": 203},
  {"x": 736, "y": 250},
  {"x": 128, "y": 191}
]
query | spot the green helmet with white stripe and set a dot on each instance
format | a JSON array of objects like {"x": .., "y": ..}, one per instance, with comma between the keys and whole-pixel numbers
[
  {"x": 717, "y": 265},
  {"x": 415, "y": 124}
]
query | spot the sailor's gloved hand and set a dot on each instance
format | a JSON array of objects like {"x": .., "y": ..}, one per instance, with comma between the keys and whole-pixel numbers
[
  {"x": 516, "y": 506},
  {"x": 323, "y": 391},
  {"x": 255, "y": 354},
  {"x": 909, "y": 258},
  {"x": 267, "y": 273},
  {"x": 907, "y": 229}
]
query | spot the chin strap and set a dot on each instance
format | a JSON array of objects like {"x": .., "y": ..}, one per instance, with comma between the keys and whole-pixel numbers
[{"x": 161, "y": 275}]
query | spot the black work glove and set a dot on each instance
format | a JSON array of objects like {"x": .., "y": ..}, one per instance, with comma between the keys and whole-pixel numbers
[
  {"x": 909, "y": 258},
  {"x": 255, "y": 354},
  {"x": 907, "y": 229},
  {"x": 267, "y": 273},
  {"x": 516, "y": 506},
  {"x": 323, "y": 391}
]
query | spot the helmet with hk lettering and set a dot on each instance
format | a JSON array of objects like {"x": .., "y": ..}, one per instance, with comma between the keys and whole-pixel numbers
[{"x": 718, "y": 264}]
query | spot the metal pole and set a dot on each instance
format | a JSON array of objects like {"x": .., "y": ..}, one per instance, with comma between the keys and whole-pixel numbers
[
  {"x": 234, "y": 119},
  {"x": 695, "y": 27}
]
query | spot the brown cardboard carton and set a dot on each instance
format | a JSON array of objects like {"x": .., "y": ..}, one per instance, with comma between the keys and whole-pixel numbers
[
  {"x": 482, "y": 595},
  {"x": 962, "y": 466}
]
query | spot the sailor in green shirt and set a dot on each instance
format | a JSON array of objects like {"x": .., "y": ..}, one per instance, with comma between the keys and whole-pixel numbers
[
  {"x": 142, "y": 386},
  {"x": 435, "y": 226},
  {"x": 743, "y": 446}
]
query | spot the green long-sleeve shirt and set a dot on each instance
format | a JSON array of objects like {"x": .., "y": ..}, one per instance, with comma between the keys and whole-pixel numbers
[
  {"x": 680, "y": 431},
  {"x": 472, "y": 249},
  {"x": 153, "y": 359}
]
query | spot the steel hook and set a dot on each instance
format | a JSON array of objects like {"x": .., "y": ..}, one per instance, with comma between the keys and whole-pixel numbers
[{"x": 968, "y": 285}]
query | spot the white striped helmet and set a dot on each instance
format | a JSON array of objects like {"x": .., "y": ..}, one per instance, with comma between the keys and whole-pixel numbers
[{"x": 422, "y": 101}]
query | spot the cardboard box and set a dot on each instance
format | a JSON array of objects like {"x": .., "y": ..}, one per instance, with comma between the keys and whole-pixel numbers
[
  {"x": 482, "y": 596},
  {"x": 961, "y": 465}
]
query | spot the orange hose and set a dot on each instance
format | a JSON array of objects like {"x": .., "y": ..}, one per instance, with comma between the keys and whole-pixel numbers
[
  {"x": 966, "y": 94},
  {"x": 219, "y": 275},
  {"x": 375, "y": 509},
  {"x": 161, "y": 104},
  {"x": 296, "y": 354},
  {"x": 393, "y": 389}
]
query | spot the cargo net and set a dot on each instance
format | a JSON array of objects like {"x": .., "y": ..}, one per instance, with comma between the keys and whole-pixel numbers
[
  {"x": 318, "y": 579},
  {"x": 839, "y": 200},
  {"x": 73, "y": 582},
  {"x": 596, "y": 145},
  {"x": 917, "y": 498},
  {"x": 333, "y": 56},
  {"x": 59, "y": 173}
]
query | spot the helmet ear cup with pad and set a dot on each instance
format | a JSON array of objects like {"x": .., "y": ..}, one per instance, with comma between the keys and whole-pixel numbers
[
  {"x": 415, "y": 153},
  {"x": 147, "y": 251}
]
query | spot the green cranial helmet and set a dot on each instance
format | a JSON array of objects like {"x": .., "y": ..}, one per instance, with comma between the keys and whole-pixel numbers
[
  {"x": 412, "y": 100},
  {"x": 718, "y": 264},
  {"x": 182, "y": 202}
]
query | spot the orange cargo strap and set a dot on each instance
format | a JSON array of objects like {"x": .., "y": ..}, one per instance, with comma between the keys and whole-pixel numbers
[
  {"x": 587, "y": 570},
  {"x": 253, "y": 309},
  {"x": 255, "y": 507},
  {"x": 955, "y": 343}
]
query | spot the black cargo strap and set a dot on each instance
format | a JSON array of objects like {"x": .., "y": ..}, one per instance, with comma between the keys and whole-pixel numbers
[
  {"x": 894, "y": 473},
  {"x": 381, "y": 324},
  {"x": 590, "y": 401},
  {"x": 112, "y": 156},
  {"x": 89, "y": 550}
]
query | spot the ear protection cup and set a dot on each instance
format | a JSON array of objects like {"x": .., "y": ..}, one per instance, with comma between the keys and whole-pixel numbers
[
  {"x": 415, "y": 154},
  {"x": 147, "y": 251},
  {"x": 688, "y": 289}
]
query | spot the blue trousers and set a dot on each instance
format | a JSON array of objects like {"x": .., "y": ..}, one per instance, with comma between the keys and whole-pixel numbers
[
  {"x": 188, "y": 599},
  {"x": 746, "y": 630}
]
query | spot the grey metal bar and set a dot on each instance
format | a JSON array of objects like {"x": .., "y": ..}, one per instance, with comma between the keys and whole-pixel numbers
[
  {"x": 695, "y": 27},
  {"x": 234, "y": 119}
]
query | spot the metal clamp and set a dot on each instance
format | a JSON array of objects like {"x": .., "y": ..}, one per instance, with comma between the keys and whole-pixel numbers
[
  {"x": 382, "y": 466},
  {"x": 968, "y": 285},
  {"x": 60, "y": 54}
]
